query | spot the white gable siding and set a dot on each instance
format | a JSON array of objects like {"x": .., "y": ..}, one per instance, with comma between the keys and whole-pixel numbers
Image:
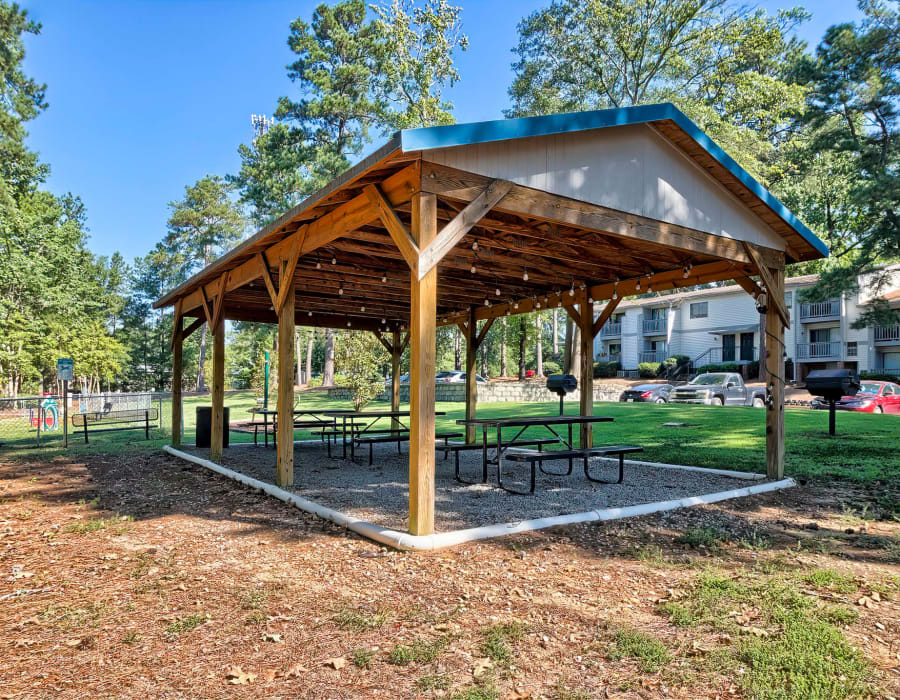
[{"x": 630, "y": 168}]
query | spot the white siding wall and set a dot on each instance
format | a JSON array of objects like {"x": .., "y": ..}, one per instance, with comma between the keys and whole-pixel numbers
[{"x": 629, "y": 168}]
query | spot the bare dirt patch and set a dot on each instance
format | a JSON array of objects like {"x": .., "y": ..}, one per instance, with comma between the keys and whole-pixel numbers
[{"x": 144, "y": 576}]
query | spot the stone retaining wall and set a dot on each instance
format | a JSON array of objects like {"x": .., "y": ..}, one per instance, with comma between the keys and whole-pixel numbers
[{"x": 497, "y": 392}]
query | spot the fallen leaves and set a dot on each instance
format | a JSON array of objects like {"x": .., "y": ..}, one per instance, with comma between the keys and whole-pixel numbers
[
  {"x": 338, "y": 662},
  {"x": 482, "y": 666},
  {"x": 237, "y": 676}
]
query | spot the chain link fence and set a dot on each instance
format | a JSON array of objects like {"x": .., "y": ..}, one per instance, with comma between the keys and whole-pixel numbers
[{"x": 35, "y": 421}]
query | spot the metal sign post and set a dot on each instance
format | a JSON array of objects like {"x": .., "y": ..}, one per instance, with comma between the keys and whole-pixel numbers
[
  {"x": 65, "y": 372},
  {"x": 266, "y": 384}
]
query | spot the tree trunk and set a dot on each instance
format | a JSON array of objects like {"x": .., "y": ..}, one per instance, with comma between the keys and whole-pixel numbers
[
  {"x": 309, "y": 353},
  {"x": 328, "y": 372},
  {"x": 457, "y": 350},
  {"x": 200, "y": 385},
  {"x": 567, "y": 347},
  {"x": 523, "y": 340},
  {"x": 503, "y": 363},
  {"x": 539, "y": 350},
  {"x": 556, "y": 334}
]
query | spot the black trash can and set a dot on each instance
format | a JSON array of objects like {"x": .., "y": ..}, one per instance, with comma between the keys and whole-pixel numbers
[{"x": 204, "y": 426}]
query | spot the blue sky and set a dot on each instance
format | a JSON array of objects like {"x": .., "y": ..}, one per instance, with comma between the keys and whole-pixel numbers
[{"x": 148, "y": 96}]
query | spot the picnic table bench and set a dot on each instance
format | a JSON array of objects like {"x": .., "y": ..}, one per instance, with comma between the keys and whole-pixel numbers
[
  {"x": 124, "y": 419},
  {"x": 457, "y": 447},
  {"x": 398, "y": 436},
  {"x": 538, "y": 457}
]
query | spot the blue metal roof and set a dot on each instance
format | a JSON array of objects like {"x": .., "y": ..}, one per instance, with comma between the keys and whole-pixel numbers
[{"x": 427, "y": 138}]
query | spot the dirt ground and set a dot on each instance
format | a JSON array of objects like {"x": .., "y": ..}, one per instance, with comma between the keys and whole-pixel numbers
[{"x": 147, "y": 577}]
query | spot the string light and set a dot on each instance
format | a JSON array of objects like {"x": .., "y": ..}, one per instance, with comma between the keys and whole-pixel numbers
[
  {"x": 384, "y": 278},
  {"x": 687, "y": 270},
  {"x": 362, "y": 309},
  {"x": 497, "y": 291},
  {"x": 309, "y": 313},
  {"x": 333, "y": 260},
  {"x": 649, "y": 287},
  {"x": 525, "y": 275},
  {"x": 516, "y": 305},
  {"x": 590, "y": 300},
  {"x": 473, "y": 269},
  {"x": 572, "y": 290},
  {"x": 348, "y": 324},
  {"x": 637, "y": 285},
  {"x": 341, "y": 289},
  {"x": 474, "y": 245},
  {"x": 318, "y": 265},
  {"x": 615, "y": 293},
  {"x": 383, "y": 321},
  {"x": 487, "y": 302}
]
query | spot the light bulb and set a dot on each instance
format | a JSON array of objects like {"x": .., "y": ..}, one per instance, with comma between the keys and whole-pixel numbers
[
  {"x": 473, "y": 270},
  {"x": 637, "y": 286},
  {"x": 318, "y": 265},
  {"x": 348, "y": 324},
  {"x": 516, "y": 305},
  {"x": 487, "y": 301},
  {"x": 615, "y": 294},
  {"x": 474, "y": 245},
  {"x": 497, "y": 291},
  {"x": 362, "y": 308},
  {"x": 525, "y": 276},
  {"x": 341, "y": 291},
  {"x": 383, "y": 321},
  {"x": 649, "y": 287},
  {"x": 572, "y": 290},
  {"x": 383, "y": 279},
  {"x": 309, "y": 313},
  {"x": 590, "y": 300},
  {"x": 334, "y": 261}
]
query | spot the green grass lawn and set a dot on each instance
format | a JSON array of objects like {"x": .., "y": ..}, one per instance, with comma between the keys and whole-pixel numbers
[{"x": 864, "y": 450}]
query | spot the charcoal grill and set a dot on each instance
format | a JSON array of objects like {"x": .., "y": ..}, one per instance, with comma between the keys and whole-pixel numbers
[
  {"x": 831, "y": 385},
  {"x": 562, "y": 384}
]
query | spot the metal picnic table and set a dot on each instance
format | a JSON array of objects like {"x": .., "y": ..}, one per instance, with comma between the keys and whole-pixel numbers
[
  {"x": 524, "y": 424},
  {"x": 375, "y": 416},
  {"x": 266, "y": 412}
]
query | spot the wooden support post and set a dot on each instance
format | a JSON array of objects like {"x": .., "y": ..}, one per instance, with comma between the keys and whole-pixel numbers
[
  {"x": 471, "y": 332},
  {"x": 586, "y": 324},
  {"x": 422, "y": 327},
  {"x": 216, "y": 432},
  {"x": 284, "y": 460},
  {"x": 775, "y": 376},
  {"x": 396, "y": 354},
  {"x": 176, "y": 383}
]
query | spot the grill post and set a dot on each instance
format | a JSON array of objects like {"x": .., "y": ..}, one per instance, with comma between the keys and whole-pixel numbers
[{"x": 831, "y": 411}]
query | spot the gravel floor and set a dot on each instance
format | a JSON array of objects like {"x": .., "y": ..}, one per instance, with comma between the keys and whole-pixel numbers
[{"x": 379, "y": 494}]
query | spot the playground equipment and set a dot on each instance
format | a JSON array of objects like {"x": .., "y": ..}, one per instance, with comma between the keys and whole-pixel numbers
[{"x": 46, "y": 417}]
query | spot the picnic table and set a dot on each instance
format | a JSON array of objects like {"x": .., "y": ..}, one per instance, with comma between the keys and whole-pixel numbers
[
  {"x": 266, "y": 412},
  {"x": 502, "y": 445},
  {"x": 362, "y": 422}
]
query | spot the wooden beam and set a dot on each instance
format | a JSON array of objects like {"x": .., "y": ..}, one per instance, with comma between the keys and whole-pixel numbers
[
  {"x": 340, "y": 221},
  {"x": 573, "y": 314},
  {"x": 404, "y": 343},
  {"x": 286, "y": 272},
  {"x": 775, "y": 379},
  {"x": 586, "y": 402},
  {"x": 423, "y": 313},
  {"x": 528, "y": 202},
  {"x": 197, "y": 322},
  {"x": 217, "y": 429},
  {"x": 384, "y": 341},
  {"x": 408, "y": 248},
  {"x": 604, "y": 316},
  {"x": 266, "y": 274},
  {"x": 284, "y": 460},
  {"x": 220, "y": 301},
  {"x": 483, "y": 332},
  {"x": 176, "y": 325},
  {"x": 177, "y": 371},
  {"x": 461, "y": 224},
  {"x": 470, "y": 332},
  {"x": 776, "y": 300},
  {"x": 206, "y": 310},
  {"x": 396, "y": 350},
  {"x": 748, "y": 285}
]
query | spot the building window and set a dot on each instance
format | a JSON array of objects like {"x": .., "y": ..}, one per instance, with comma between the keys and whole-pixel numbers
[
  {"x": 700, "y": 309},
  {"x": 851, "y": 348},
  {"x": 788, "y": 299}
]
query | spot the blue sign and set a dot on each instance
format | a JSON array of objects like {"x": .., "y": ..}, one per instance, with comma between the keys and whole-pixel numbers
[{"x": 65, "y": 369}]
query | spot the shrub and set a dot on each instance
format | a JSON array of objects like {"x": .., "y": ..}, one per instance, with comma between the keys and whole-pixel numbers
[
  {"x": 551, "y": 367},
  {"x": 358, "y": 355},
  {"x": 880, "y": 376},
  {"x": 724, "y": 367},
  {"x": 753, "y": 369},
  {"x": 604, "y": 370},
  {"x": 648, "y": 370}
]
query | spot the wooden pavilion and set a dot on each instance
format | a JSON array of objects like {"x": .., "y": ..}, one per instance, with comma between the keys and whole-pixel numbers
[{"x": 464, "y": 224}]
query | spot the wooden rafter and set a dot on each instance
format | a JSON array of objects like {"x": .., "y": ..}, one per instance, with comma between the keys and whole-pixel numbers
[
  {"x": 266, "y": 274},
  {"x": 395, "y": 227},
  {"x": 197, "y": 322},
  {"x": 748, "y": 285},
  {"x": 461, "y": 224},
  {"x": 206, "y": 310},
  {"x": 605, "y": 315},
  {"x": 772, "y": 297},
  {"x": 176, "y": 324},
  {"x": 286, "y": 273},
  {"x": 220, "y": 303},
  {"x": 479, "y": 339}
]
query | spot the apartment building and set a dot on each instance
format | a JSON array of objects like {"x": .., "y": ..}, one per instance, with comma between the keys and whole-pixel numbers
[{"x": 721, "y": 324}]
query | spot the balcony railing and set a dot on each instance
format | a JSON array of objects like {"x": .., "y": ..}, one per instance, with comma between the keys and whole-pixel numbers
[
  {"x": 611, "y": 329},
  {"x": 610, "y": 357},
  {"x": 719, "y": 355},
  {"x": 820, "y": 309},
  {"x": 887, "y": 334},
  {"x": 653, "y": 355},
  {"x": 655, "y": 326},
  {"x": 819, "y": 351}
]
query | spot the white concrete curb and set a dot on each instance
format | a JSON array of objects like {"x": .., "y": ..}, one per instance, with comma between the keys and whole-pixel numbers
[{"x": 403, "y": 540}]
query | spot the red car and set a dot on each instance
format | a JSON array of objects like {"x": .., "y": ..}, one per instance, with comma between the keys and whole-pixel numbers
[{"x": 873, "y": 397}]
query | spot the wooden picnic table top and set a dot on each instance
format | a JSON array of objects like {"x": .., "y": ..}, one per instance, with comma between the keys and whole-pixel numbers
[
  {"x": 372, "y": 414},
  {"x": 534, "y": 420}
]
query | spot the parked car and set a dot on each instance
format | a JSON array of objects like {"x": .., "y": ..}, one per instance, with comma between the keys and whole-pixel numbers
[
  {"x": 872, "y": 397},
  {"x": 455, "y": 376},
  {"x": 648, "y": 393},
  {"x": 719, "y": 389}
]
